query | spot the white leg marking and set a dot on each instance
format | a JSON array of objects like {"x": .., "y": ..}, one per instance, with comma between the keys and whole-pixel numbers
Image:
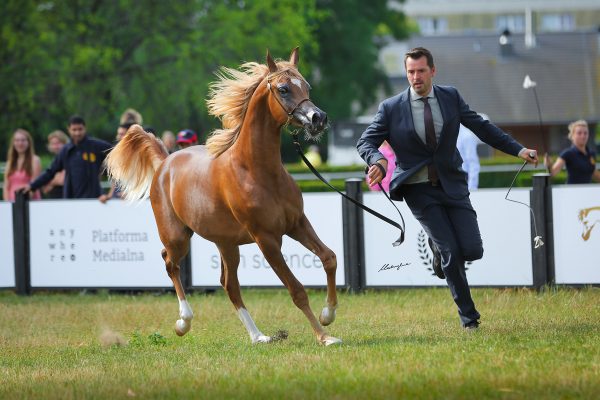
[
  {"x": 183, "y": 325},
  {"x": 255, "y": 335}
]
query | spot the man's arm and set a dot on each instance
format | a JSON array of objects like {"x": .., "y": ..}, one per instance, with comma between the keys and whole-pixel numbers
[
  {"x": 494, "y": 136},
  {"x": 368, "y": 146},
  {"x": 48, "y": 174}
]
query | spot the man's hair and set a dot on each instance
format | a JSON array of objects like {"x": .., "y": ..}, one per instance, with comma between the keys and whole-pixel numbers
[
  {"x": 419, "y": 52},
  {"x": 76, "y": 120}
]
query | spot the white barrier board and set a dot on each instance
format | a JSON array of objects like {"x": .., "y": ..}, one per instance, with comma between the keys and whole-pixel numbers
[
  {"x": 7, "y": 255},
  {"x": 505, "y": 230},
  {"x": 84, "y": 243},
  {"x": 323, "y": 210},
  {"x": 576, "y": 215}
]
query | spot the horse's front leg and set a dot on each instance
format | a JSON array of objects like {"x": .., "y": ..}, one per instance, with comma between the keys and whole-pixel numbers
[
  {"x": 305, "y": 234},
  {"x": 271, "y": 249}
]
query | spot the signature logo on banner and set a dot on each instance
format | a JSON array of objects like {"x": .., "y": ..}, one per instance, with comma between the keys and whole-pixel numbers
[
  {"x": 425, "y": 252},
  {"x": 61, "y": 243},
  {"x": 589, "y": 217},
  {"x": 397, "y": 267}
]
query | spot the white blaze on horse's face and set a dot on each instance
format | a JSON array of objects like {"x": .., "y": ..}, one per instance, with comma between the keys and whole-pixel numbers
[{"x": 297, "y": 82}]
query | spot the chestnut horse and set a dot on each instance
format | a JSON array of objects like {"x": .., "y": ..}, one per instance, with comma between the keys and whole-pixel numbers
[{"x": 234, "y": 190}]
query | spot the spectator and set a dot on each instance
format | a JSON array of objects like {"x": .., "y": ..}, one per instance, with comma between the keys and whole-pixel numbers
[
  {"x": 579, "y": 159},
  {"x": 81, "y": 159},
  {"x": 466, "y": 144},
  {"x": 22, "y": 165},
  {"x": 54, "y": 189},
  {"x": 187, "y": 138},
  {"x": 128, "y": 118},
  {"x": 168, "y": 140},
  {"x": 388, "y": 153}
]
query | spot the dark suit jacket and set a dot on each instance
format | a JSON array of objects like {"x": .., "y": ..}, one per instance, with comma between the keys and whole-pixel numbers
[{"x": 394, "y": 123}]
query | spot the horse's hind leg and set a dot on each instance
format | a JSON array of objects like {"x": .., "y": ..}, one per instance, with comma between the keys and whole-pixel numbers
[
  {"x": 305, "y": 234},
  {"x": 230, "y": 259},
  {"x": 173, "y": 253},
  {"x": 271, "y": 249}
]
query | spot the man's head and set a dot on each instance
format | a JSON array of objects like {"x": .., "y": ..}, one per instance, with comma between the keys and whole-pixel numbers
[
  {"x": 76, "y": 128},
  {"x": 186, "y": 138},
  {"x": 420, "y": 70}
]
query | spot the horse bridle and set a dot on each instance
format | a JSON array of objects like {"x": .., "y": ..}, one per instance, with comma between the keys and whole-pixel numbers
[{"x": 290, "y": 114}]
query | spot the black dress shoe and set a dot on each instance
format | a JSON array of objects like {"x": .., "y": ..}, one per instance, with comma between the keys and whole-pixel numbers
[
  {"x": 437, "y": 260},
  {"x": 472, "y": 326}
]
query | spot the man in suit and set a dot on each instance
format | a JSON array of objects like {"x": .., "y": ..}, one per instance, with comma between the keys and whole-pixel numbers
[{"x": 421, "y": 124}]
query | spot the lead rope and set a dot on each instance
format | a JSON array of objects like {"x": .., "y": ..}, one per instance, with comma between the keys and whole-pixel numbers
[{"x": 399, "y": 241}]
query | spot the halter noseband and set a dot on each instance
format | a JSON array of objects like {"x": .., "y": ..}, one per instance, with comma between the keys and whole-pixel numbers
[{"x": 290, "y": 114}]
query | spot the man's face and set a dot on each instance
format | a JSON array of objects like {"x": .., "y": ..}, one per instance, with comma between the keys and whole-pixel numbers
[
  {"x": 77, "y": 132},
  {"x": 419, "y": 75}
]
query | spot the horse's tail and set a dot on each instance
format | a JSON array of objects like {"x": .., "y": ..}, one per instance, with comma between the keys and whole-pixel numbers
[{"x": 133, "y": 162}]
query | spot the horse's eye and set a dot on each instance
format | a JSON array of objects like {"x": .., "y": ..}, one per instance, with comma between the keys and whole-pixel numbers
[{"x": 282, "y": 89}]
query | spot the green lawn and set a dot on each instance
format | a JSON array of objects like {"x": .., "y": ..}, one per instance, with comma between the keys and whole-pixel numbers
[{"x": 397, "y": 344}]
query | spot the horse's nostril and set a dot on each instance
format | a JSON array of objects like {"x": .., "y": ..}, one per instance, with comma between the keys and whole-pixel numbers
[{"x": 316, "y": 118}]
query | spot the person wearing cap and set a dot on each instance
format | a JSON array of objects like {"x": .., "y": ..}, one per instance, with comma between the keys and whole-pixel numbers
[{"x": 186, "y": 138}]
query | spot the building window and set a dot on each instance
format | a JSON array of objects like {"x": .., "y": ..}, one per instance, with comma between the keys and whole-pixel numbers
[
  {"x": 514, "y": 23},
  {"x": 557, "y": 22},
  {"x": 432, "y": 26}
]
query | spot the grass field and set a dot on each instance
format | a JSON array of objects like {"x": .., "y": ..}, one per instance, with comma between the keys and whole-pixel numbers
[{"x": 397, "y": 344}]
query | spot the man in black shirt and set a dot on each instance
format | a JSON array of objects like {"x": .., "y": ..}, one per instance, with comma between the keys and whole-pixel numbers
[{"x": 81, "y": 159}]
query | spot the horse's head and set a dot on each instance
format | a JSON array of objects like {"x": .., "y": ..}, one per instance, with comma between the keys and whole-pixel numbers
[
  {"x": 588, "y": 217},
  {"x": 289, "y": 96}
]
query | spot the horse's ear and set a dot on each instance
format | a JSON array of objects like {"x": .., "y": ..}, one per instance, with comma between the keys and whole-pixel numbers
[
  {"x": 271, "y": 63},
  {"x": 295, "y": 56}
]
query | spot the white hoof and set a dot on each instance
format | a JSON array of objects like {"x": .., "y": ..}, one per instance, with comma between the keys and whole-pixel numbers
[
  {"x": 182, "y": 327},
  {"x": 327, "y": 316},
  {"x": 329, "y": 340},
  {"x": 262, "y": 339}
]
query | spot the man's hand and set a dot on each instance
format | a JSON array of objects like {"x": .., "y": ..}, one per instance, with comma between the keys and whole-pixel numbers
[
  {"x": 25, "y": 189},
  {"x": 530, "y": 155},
  {"x": 375, "y": 174},
  {"x": 103, "y": 198}
]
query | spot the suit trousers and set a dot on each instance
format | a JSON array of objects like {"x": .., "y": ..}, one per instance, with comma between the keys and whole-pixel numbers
[{"x": 452, "y": 225}]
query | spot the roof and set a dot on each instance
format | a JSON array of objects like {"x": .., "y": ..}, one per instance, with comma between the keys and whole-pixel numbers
[{"x": 565, "y": 66}]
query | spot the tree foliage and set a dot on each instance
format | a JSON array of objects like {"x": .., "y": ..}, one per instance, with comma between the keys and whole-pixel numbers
[{"x": 96, "y": 58}]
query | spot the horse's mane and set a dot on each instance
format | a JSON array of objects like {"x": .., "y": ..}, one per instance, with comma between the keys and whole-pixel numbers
[{"x": 229, "y": 97}]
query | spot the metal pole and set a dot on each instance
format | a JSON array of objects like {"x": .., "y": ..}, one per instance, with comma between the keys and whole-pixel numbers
[
  {"x": 21, "y": 243},
  {"x": 354, "y": 253},
  {"x": 543, "y": 257}
]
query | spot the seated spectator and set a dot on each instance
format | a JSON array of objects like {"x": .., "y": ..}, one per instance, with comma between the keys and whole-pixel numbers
[
  {"x": 54, "y": 189},
  {"x": 81, "y": 159},
  {"x": 186, "y": 138},
  {"x": 579, "y": 159},
  {"x": 22, "y": 165}
]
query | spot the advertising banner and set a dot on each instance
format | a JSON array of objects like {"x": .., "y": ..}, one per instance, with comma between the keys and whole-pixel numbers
[
  {"x": 505, "y": 231},
  {"x": 576, "y": 215},
  {"x": 7, "y": 255},
  {"x": 323, "y": 210},
  {"x": 84, "y": 243}
]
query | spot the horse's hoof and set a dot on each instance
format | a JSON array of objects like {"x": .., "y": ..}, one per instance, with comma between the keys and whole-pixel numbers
[
  {"x": 327, "y": 316},
  {"x": 262, "y": 339},
  {"x": 329, "y": 340},
  {"x": 182, "y": 327}
]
